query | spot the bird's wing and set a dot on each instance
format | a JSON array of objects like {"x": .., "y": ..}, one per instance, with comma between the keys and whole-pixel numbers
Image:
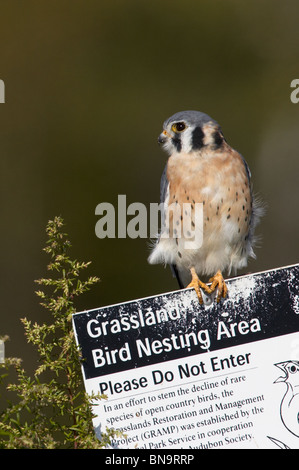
[
  {"x": 246, "y": 168},
  {"x": 258, "y": 208},
  {"x": 164, "y": 184}
]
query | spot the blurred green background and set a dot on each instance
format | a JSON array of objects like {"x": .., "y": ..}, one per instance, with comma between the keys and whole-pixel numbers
[{"x": 88, "y": 86}]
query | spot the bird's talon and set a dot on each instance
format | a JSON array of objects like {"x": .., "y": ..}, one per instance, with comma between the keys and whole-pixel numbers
[
  {"x": 217, "y": 281},
  {"x": 194, "y": 283}
]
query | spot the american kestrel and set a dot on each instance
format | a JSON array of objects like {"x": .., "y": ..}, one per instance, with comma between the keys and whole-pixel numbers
[{"x": 206, "y": 187}]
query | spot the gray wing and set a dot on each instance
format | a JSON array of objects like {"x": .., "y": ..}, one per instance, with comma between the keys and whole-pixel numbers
[
  {"x": 163, "y": 191},
  {"x": 163, "y": 185},
  {"x": 258, "y": 209}
]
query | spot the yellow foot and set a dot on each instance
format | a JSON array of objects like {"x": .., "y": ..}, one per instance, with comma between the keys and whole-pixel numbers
[
  {"x": 217, "y": 281},
  {"x": 196, "y": 284}
]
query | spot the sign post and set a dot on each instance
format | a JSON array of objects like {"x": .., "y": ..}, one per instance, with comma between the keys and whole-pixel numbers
[{"x": 180, "y": 375}]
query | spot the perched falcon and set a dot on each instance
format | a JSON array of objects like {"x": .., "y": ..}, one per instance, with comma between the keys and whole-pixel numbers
[{"x": 209, "y": 212}]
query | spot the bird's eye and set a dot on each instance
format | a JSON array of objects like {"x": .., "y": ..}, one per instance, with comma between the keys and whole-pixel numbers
[
  {"x": 293, "y": 369},
  {"x": 178, "y": 127}
]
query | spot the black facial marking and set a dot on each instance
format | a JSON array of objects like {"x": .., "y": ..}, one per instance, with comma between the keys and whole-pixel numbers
[
  {"x": 177, "y": 143},
  {"x": 197, "y": 138},
  {"x": 217, "y": 138}
]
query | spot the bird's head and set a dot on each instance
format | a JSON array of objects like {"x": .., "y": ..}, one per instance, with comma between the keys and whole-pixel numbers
[
  {"x": 291, "y": 372},
  {"x": 190, "y": 131}
]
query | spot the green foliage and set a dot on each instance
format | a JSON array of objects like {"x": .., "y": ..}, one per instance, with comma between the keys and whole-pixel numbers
[{"x": 51, "y": 409}]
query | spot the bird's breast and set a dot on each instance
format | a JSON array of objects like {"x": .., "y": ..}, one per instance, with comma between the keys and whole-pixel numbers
[{"x": 218, "y": 181}]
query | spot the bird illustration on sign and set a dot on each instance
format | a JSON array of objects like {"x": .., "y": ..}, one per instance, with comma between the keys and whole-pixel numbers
[{"x": 289, "y": 407}]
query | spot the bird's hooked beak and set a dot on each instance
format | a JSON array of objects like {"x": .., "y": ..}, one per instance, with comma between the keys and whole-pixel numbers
[
  {"x": 163, "y": 137},
  {"x": 281, "y": 366}
]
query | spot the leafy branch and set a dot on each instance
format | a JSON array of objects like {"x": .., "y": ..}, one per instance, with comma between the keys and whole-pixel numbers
[{"x": 52, "y": 409}]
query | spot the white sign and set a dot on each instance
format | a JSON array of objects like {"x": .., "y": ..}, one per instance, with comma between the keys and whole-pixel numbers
[{"x": 179, "y": 375}]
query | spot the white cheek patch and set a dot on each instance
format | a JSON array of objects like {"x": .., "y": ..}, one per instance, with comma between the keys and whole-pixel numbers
[{"x": 186, "y": 140}]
